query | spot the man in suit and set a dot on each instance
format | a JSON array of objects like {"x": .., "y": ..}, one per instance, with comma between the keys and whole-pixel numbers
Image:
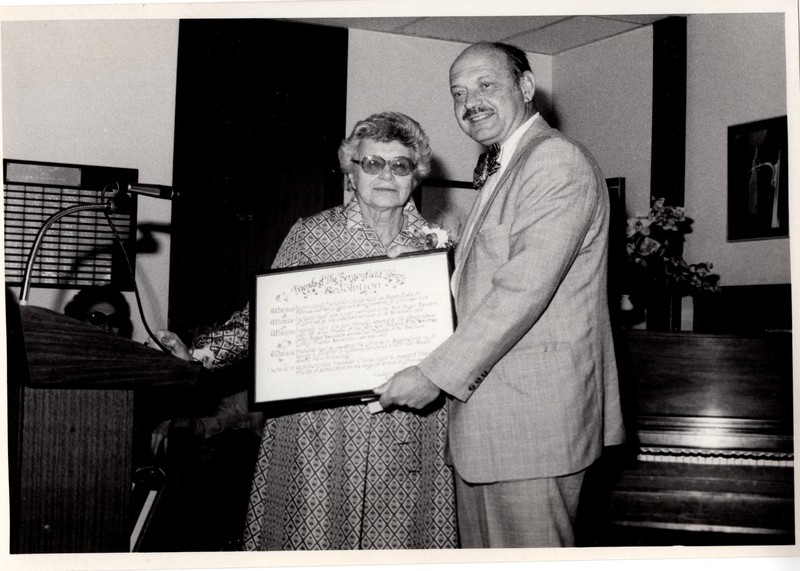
[{"x": 530, "y": 369}]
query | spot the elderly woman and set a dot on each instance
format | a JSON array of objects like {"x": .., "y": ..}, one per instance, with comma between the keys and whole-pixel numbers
[{"x": 343, "y": 478}]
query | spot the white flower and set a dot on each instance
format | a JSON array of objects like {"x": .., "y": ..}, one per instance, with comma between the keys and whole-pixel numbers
[{"x": 436, "y": 237}]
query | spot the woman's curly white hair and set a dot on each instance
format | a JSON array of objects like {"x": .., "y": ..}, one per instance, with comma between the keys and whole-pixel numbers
[{"x": 387, "y": 127}]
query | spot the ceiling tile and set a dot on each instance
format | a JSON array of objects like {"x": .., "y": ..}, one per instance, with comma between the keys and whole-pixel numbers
[
  {"x": 537, "y": 34},
  {"x": 643, "y": 19},
  {"x": 391, "y": 25},
  {"x": 478, "y": 28},
  {"x": 570, "y": 33}
]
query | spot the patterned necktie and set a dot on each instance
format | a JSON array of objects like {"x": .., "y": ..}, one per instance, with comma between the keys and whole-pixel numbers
[{"x": 486, "y": 167}]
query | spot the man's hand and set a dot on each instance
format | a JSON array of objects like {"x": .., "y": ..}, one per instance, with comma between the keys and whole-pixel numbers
[{"x": 409, "y": 388}]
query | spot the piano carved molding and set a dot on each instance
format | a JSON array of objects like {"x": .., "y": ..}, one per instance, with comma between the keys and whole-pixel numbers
[{"x": 710, "y": 455}]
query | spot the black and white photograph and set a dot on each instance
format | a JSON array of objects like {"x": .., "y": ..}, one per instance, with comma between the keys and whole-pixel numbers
[
  {"x": 758, "y": 196},
  {"x": 337, "y": 283}
]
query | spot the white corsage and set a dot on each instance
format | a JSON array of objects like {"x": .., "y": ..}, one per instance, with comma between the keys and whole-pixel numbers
[
  {"x": 434, "y": 236},
  {"x": 429, "y": 237}
]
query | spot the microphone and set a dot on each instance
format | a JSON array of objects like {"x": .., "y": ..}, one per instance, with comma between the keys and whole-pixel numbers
[{"x": 154, "y": 190}]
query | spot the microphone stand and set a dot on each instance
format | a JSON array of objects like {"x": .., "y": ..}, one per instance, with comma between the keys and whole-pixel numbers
[{"x": 109, "y": 208}]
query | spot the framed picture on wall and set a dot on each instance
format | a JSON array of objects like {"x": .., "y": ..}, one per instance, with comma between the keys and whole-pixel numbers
[
  {"x": 446, "y": 203},
  {"x": 758, "y": 189}
]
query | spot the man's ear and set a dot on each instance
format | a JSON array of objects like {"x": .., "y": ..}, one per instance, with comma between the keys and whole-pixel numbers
[{"x": 527, "y": 84}]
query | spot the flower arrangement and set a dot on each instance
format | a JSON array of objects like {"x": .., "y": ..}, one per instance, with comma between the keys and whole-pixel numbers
[
  {"x": 434, "y": 236},
  {"x": 655, "y": 252}
]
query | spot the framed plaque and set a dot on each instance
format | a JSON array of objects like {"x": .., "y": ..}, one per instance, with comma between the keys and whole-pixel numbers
[
  {"x": 333, "y": 332},
  {"x": 758, "y": 184}
]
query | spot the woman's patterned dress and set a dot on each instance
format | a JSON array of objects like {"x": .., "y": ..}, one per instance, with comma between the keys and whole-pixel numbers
[{"x": 342, "y": 478}]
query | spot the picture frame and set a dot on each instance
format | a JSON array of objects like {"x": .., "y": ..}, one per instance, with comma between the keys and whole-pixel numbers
[
  {"x": 758, "y": 189},
  {"x": 328, "y": 334}
]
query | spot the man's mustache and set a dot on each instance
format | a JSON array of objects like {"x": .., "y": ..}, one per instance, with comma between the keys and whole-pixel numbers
[{"x": 468, "y": 114}]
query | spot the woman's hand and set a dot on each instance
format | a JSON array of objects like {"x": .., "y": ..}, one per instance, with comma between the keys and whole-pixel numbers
[
  {"x": 174, "y": 344},
  {"x": 397, "y": 249},
  {"x": 158, "y": 438}
]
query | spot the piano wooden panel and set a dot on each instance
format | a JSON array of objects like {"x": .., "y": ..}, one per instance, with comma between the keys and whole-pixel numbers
[
  {"x": 705, "y": 498},
  {"x": 710, "y": 449},
  {"x": 710, "y": 376}
]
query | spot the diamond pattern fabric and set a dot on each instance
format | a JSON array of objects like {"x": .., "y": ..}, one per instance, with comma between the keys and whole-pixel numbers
[
  {"x": 487, "y": 165},
  {"x": 342, "y": 478}
]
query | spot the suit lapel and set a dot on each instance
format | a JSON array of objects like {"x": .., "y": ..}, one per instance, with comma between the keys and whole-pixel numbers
[{"x": 529, "y": 139}]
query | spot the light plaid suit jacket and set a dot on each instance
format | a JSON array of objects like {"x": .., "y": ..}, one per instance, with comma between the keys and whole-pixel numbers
[{"x": 530, "y": 368}]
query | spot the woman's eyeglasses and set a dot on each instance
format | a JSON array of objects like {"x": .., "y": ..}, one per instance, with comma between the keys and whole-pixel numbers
[
  {"x": 100, "y": 319},
  {"x": 374, "y": 164}
]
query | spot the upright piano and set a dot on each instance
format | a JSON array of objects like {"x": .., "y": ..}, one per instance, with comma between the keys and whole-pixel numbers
[{"x": 710, "y": 457}]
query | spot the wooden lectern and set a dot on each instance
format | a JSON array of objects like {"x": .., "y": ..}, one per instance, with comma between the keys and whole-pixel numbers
[{"x": 71, "y": 429}]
